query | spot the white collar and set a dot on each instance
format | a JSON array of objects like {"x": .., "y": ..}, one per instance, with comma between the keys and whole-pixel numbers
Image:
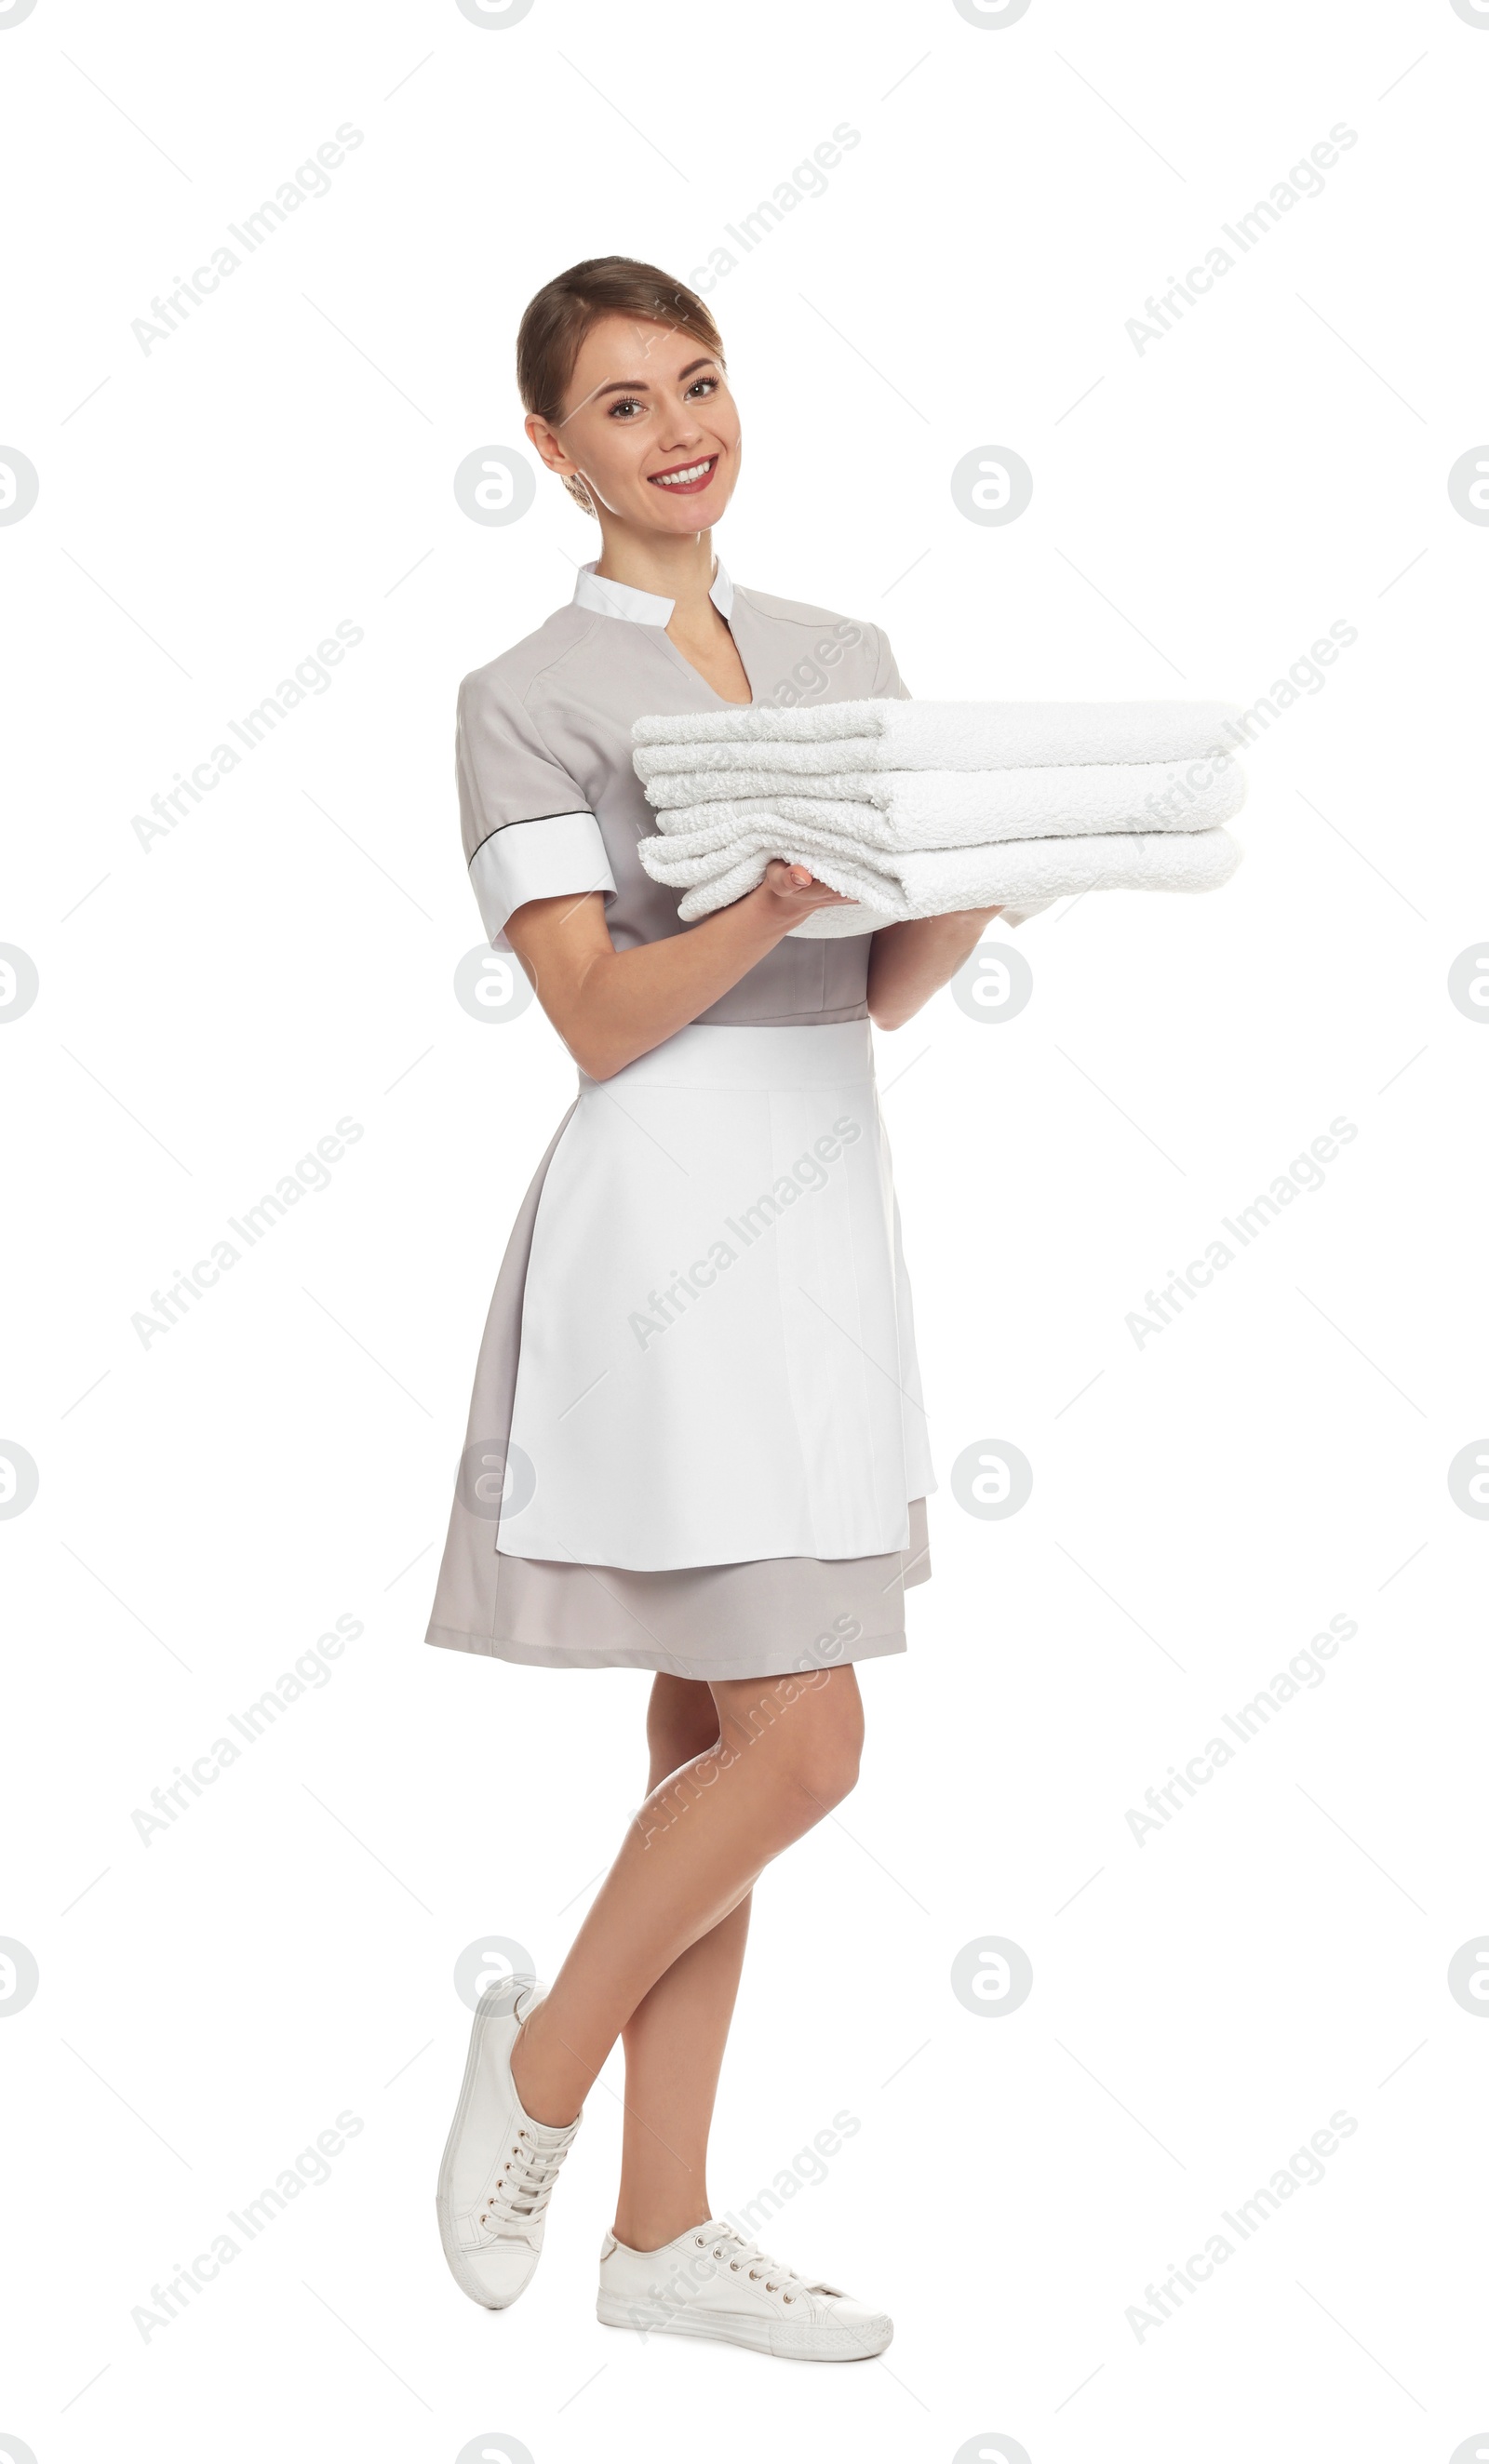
[{"x": 606, "y": 597}]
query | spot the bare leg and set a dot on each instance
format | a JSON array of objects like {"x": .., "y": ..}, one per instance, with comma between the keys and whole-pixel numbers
[
  {"x": 675, "y": 2038},
  {"x": 787, "y": 1752}
]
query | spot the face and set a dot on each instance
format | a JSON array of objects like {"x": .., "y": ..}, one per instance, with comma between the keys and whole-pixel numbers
[{"x": 650, "y": 426}]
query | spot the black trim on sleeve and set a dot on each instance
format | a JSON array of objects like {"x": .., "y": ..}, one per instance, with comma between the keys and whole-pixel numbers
[{"x": 518, "y": 820}]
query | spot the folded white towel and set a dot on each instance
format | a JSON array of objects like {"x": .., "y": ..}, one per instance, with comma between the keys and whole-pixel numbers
[
  {"x": 1017, "y": 874},
  {"x": 934, "y": 735},
  {"x": 945, "y": 808}
]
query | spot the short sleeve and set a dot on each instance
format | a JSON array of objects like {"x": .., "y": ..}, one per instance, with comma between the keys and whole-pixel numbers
[
  {"x": 889, "y": 684},
  {"x": 528, "y": 828}
]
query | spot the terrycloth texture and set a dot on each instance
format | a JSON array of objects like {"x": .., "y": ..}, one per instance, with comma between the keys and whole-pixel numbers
[
  {"x": 926, "y": 808},
  {"x": 892, "y": 886},
  {"x": 934, "y": 735},
  {"x": 946, "y": 808},
  {"x": 975, "y": 803}
]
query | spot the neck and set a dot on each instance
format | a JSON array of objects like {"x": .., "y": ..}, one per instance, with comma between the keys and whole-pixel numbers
[{"x": 679, "y": 569}]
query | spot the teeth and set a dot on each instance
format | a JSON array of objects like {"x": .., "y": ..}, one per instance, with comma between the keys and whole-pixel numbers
[{"x": 681, "y": 478}]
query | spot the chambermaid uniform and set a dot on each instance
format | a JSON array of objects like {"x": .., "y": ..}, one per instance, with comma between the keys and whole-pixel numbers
[{"x": 696, "y": 1440}]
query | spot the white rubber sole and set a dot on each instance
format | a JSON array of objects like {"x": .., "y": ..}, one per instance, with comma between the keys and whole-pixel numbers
[
  {"x": 455, "y": 2257},
  {"x": 782, "y": 2342},
  {"x": 455, "y": 2260}
]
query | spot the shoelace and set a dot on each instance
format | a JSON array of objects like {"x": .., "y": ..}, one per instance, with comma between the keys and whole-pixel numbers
[
  {"x": 526, "y": 2177},
  {"x": 746, "y": 2257}
]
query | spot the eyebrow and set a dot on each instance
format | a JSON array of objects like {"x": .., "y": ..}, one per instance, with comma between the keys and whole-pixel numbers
[{"x": 639, "y": 385}]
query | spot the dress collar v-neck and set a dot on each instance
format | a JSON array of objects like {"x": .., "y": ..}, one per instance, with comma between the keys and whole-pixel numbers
[{"x": 606, "y": 597}]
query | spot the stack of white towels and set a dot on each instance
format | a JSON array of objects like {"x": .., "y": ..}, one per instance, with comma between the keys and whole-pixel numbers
[{"x": 923, "y": 807}]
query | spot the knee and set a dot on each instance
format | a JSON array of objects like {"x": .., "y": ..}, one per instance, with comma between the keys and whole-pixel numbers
[
  {"x": 818, "y": 1743},
  {"x": 830, "y": 1772}
]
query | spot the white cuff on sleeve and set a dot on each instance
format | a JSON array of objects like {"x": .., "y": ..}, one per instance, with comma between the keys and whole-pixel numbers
[{"x": 560, "y": 854}]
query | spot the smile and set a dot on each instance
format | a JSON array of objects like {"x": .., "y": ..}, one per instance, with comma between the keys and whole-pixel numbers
[{"x": 688, "y": 477}]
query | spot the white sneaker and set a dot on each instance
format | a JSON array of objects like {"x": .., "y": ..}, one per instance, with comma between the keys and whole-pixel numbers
[
  {"x": 499, "y": 2165},
  {"x": 710, "y": 2281}
]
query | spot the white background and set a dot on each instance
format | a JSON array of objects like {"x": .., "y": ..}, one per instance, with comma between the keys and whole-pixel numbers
[{"x": 1202, "y": 1505}]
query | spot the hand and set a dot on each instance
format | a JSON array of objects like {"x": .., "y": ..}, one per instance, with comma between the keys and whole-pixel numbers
[{"x": 791, "y": 892}]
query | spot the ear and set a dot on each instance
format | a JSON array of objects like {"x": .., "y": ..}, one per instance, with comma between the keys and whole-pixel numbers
[{"x": 544, "y": 441}]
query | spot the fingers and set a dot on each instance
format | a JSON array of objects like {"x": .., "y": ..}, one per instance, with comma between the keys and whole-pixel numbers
[{"x": 793, "y": 880}]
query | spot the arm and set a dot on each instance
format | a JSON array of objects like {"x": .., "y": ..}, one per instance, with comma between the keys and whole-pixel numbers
[
  {"x": 908, "y": 963},
  {"x": 611, "y": 1006}
]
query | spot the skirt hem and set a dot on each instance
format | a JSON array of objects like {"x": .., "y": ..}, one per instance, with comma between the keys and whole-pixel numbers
[{"x": 662, "y": 1662}]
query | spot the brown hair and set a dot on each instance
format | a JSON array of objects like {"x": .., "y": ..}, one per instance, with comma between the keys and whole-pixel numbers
[{"x": 557, "y": 319}]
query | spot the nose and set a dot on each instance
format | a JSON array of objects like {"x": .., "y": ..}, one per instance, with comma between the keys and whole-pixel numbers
[{"x": 682, "y": 429}]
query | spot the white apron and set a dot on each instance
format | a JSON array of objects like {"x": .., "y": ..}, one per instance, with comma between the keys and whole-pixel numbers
[{"x": 717, "y": 1356}]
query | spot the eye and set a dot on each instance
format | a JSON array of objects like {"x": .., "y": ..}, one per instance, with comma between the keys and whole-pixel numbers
[
  {"x": 627, "y": 403},
  {"x": 705, "y": 385}
]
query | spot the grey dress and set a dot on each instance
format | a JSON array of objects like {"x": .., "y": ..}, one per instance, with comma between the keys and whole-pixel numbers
[{"x": 551, "y": 804}]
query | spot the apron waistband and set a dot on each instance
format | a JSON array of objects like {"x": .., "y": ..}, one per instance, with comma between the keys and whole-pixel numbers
[{"x": 749, "y": 1058}]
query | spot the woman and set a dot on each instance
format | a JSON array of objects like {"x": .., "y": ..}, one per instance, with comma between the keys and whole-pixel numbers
[{"x": 696, "y": 1443}]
